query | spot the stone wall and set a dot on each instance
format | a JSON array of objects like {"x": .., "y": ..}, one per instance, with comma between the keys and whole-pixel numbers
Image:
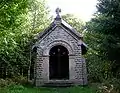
[{"x": 59, "y": 36}]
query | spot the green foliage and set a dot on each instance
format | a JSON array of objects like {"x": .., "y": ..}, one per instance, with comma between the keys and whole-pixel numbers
[
  {"x": 24, "y": 89},
  {"x": 99, "y": 68},
  {"x": 78, "y": 24},
  {"x": 11, "y": 13},
  {"x": 10, "y": 82},
  {"x": 6, "y": 83},
  {"x": 20, "y": 80},
  {"x": 109, "y": 86},
  {"x": 38, "y": 16},
  {"x": 103, "y": 37},
  {"x": 17, "y": 32},
  {"x": 10, "y": 32}
]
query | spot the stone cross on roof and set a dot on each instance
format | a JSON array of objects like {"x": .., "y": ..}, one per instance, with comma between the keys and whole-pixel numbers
[{"x": 58, "y": 10}]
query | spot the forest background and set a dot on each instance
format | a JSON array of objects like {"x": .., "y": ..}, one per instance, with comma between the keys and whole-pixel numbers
[{"x": 22, "y": 20}]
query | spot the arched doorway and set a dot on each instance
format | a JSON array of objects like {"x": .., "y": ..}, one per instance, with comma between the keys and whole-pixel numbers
[{"x": 59, "y": 63}]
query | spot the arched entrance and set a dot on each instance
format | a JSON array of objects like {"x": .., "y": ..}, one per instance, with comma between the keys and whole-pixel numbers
[{"x": 58, "y": 63}]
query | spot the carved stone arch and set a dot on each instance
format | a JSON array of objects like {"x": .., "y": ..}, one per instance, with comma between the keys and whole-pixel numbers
[{"x": 58, "y": 42}]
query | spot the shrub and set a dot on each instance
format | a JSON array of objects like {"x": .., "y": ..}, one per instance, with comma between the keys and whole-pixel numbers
[
  {"x": 6, "y": 82},
  {"x": 110, "y": 86},
  {"x": 20, "y": 80}
]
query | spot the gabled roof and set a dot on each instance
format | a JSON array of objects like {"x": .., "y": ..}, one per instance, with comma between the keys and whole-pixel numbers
[{"x": 59, "y": 21}]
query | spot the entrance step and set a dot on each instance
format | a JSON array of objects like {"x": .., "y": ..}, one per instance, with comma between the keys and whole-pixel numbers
[{"x": 59, "y": 83}]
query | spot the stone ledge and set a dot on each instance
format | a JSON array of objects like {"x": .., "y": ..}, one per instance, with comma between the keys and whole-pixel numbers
[{"x": 59, "y": 82}]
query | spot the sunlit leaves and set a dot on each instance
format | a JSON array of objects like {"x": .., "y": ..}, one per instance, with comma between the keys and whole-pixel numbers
[
  {"x": 16, "y": 32},
  {"x": 74, "y": 22}
]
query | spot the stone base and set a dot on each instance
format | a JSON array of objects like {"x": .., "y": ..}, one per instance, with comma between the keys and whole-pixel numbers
[{"x": 60, "y": 83}]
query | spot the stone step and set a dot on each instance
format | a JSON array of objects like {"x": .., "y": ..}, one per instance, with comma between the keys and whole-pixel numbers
[{"x": 59, "y": 83}]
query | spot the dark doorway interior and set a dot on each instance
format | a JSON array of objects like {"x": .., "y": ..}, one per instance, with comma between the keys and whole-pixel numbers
[{"x": 58, "y": 63}]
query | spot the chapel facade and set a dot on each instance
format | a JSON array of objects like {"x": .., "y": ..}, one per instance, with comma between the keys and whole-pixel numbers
[{"x": 59, "y": 55}]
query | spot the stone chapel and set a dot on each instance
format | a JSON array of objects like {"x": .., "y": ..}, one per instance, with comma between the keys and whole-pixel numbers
[{"x": 59, "y": 55}]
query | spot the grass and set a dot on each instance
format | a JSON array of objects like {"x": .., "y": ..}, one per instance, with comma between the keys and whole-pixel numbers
[{"x": 29, "y": 89}]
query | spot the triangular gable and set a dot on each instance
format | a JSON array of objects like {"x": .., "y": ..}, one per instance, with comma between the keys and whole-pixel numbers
[
  {"x": 58, "y": 21},
  {"x": 63, "y": 24}
]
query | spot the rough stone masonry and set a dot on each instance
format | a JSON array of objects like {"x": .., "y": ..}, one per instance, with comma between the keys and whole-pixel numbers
[{"x": 60, "y": 33}]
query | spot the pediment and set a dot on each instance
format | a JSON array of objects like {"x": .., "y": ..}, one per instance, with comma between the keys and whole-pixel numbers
[
  {"x": 60, "y": 23},
  {"x": 59, "y": 28}
]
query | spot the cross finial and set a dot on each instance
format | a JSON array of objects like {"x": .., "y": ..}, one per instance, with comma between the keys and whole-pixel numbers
[{"x": 58, "y": 10}]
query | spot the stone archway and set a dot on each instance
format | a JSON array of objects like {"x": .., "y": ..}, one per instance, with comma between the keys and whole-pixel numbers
[{"x": 58, "y": 63}]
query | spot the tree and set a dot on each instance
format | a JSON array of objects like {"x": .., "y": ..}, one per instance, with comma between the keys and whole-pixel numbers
[
  {"x": 107, "y": 24},
  {"x": 77, "y": 23},
  {"x": 10, "y": 23},
  {"x": 16, "y": 34},
  {"x": 38, "y": 16}
]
